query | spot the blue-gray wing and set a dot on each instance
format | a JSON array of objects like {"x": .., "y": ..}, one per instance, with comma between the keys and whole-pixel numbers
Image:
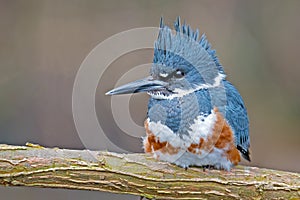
[{"x": 237, "y": 117}]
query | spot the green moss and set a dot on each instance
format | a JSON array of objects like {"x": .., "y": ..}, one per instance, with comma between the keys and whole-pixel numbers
[
  {"x": 260, "y": 178},
  {"x": 148, "y": 196}
]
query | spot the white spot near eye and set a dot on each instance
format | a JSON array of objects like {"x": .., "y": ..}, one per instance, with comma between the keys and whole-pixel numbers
[
  {"x": 182, "y": 92},
  {"x": 164, "y": 75}
]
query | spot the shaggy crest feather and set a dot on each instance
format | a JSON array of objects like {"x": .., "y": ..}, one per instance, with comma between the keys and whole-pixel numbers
[{"x": 184, "y": 33}]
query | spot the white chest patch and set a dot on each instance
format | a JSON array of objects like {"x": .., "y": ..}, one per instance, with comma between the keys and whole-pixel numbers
[{"x": 201, "y": 128}]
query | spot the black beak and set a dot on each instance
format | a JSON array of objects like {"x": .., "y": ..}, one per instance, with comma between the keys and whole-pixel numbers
[{"x": 143, "y": 85}]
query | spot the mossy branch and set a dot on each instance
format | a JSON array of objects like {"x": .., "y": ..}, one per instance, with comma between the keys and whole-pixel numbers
[{"x": 138, "y": 174}]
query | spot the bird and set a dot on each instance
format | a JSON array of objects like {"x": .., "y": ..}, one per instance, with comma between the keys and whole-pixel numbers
[{"x": 195, "y": 117}]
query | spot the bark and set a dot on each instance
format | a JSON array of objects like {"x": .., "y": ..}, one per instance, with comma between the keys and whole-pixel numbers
[{"x": 139, "y": 174}]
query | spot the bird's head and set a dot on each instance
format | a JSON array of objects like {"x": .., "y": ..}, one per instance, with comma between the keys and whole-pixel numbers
[{"x": 182, "y": 64}]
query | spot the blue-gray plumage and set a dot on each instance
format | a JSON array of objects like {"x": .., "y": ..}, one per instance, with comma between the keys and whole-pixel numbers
[
  {"x": 236, "y": 115},
  {"x": 195, "y": 116}
]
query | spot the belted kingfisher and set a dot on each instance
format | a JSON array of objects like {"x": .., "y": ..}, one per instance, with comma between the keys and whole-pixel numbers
[{"x": 195, "y": 116}]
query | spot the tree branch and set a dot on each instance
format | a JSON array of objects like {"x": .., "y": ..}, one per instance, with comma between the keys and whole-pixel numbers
[{"x": 138, "y": 174}]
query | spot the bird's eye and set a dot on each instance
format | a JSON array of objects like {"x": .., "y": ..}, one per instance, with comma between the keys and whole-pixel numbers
[{"x": 179, "y": 74}]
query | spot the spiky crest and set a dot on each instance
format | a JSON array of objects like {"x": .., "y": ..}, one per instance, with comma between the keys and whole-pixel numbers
[{"x": 166, "y": 39}]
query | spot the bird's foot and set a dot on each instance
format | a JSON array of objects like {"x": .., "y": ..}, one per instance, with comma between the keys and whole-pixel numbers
[{"x": 205, "y": 167}]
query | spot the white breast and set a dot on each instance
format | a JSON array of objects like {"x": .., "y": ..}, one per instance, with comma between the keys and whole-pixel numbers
[{"x": 201, "y": 128}]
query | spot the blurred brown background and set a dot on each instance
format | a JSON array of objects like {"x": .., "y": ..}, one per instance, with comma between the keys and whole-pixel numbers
[{"x": 43, "y": 42}]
